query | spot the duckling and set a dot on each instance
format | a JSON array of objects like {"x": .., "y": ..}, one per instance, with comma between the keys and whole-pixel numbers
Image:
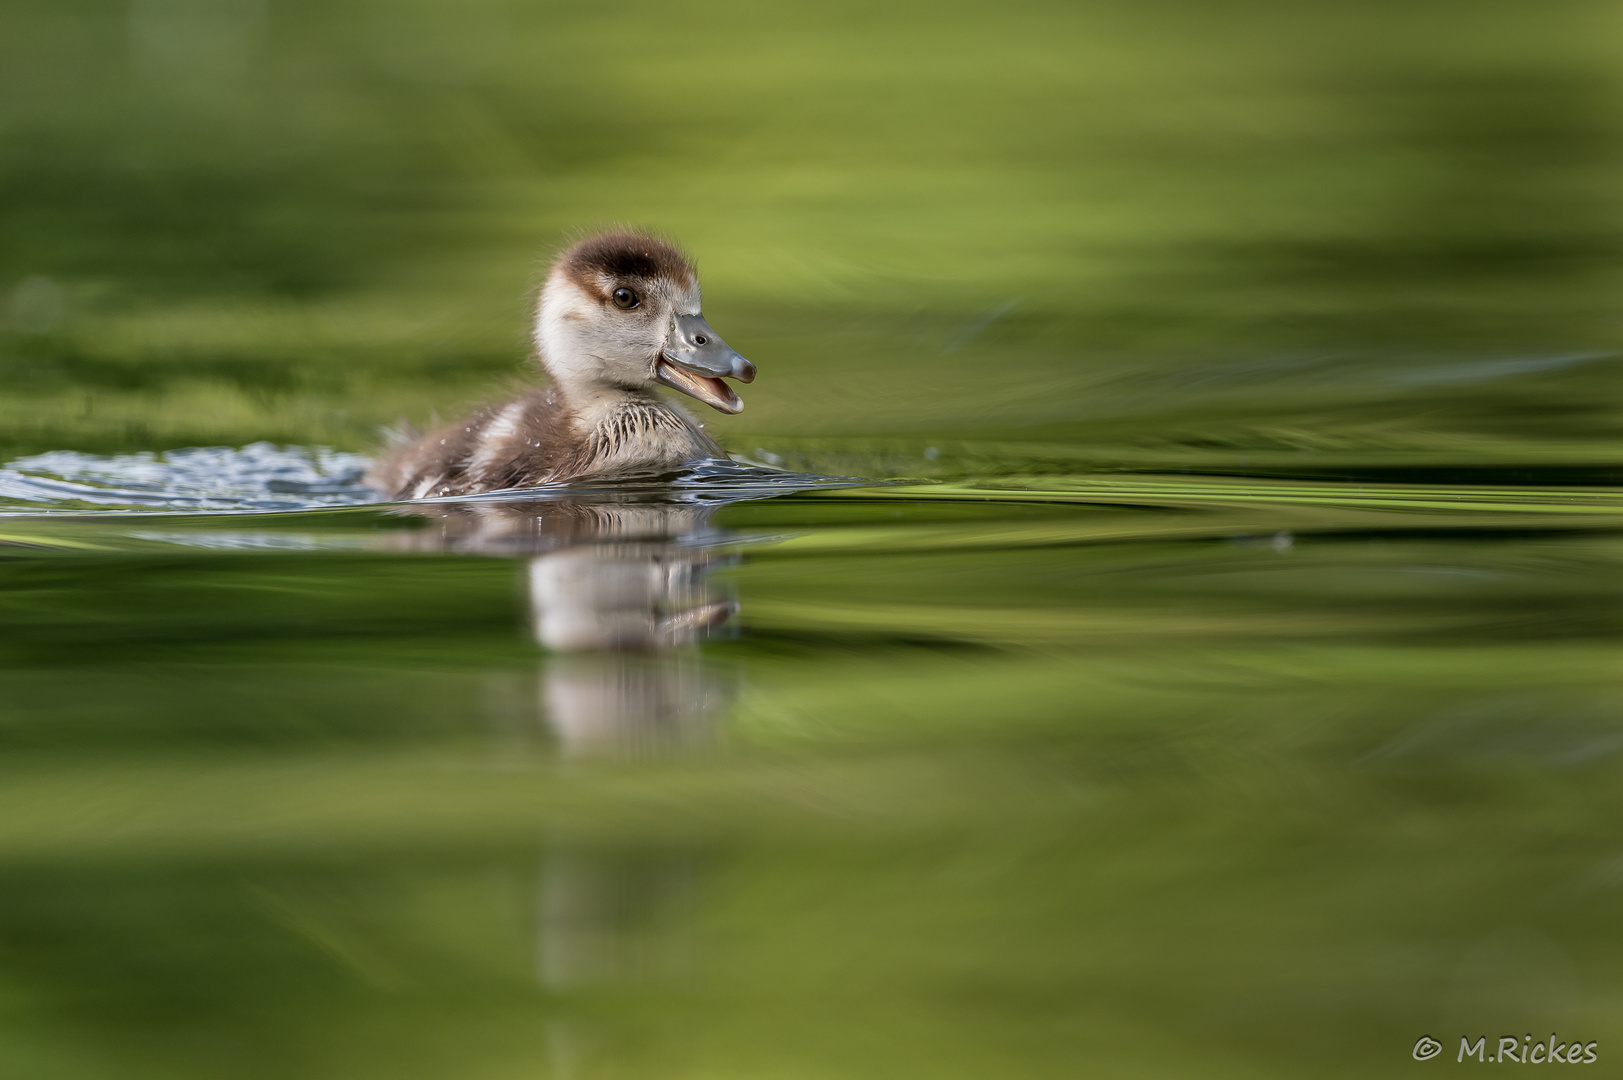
[{"x": 618, "y": 316}]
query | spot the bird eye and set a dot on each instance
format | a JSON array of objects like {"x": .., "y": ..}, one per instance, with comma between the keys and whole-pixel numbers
[{"x": 625, "y": 299}]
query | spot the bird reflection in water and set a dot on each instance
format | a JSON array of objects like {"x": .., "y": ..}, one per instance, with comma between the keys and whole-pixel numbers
[
  {"x": 619, "y": 597},
  {"x": 619, "y": 594}
]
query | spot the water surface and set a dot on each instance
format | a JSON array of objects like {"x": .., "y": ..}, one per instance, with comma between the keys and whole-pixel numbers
[{"x": 1168, "y": 775}]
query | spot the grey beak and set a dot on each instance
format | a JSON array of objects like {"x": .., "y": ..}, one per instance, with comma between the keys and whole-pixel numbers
[{"x": 693, "y": 345}]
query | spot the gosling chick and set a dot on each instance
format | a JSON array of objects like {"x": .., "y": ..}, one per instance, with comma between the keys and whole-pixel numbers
[{"x": 618, "y": 316}]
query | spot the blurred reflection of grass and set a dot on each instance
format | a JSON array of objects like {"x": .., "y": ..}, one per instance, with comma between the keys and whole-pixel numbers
[{"x": 1048, "y": 795}]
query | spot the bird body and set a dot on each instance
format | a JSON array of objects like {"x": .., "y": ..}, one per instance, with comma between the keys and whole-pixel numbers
[{"x": 618, "y": 315}]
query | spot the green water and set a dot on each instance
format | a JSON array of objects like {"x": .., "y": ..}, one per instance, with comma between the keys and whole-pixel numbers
[{"x": 1225, "y": 683}]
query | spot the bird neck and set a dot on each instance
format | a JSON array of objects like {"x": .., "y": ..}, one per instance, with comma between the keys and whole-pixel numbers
[{"x": 582, "y": 388}]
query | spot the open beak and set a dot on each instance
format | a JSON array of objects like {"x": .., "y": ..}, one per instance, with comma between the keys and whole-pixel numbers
[{"x": 695, "y": 360}]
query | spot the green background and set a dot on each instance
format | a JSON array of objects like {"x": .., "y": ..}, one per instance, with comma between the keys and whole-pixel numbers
[{"x": 1150, "y": 232}]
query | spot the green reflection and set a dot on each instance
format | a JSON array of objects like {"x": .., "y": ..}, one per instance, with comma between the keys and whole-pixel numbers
[{"x": 1025, "y": 793}]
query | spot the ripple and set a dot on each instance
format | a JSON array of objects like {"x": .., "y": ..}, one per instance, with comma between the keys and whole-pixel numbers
[
  {"x": 259, "y": 476},
  {"x": 710, "y": 481},
  {"x": 265, "y": 477}
]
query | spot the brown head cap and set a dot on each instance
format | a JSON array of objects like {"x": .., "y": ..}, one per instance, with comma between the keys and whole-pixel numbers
[{"x": 621, "y": 255}]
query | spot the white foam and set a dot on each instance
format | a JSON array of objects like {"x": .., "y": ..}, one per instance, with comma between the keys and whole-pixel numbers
[{"x": 260, "y": 476}]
